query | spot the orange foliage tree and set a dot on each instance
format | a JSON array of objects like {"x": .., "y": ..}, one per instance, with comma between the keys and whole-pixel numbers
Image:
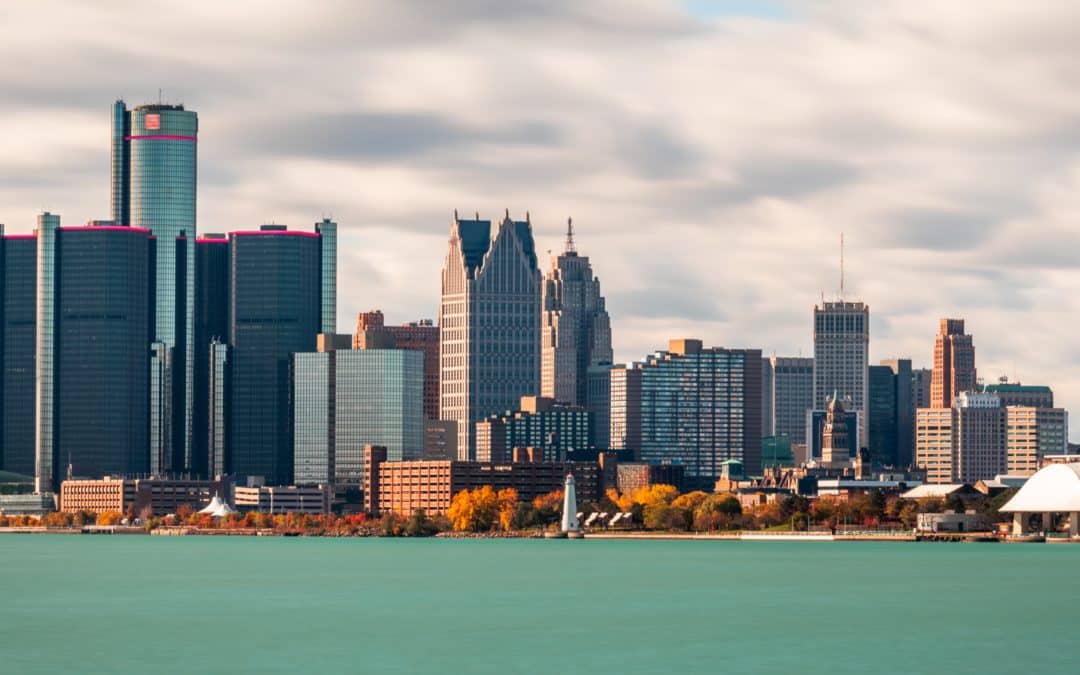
[
  {"x": 474, "y": 510},
  {"x": 508, "y": 501}
]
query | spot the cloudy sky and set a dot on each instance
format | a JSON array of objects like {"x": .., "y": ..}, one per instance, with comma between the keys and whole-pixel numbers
[{"x": 710, "y": 153}]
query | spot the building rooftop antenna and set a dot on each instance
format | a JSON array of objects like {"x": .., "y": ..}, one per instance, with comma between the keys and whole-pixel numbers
[
  {"x": 570, "y": 236},
  {"x": 841, "y": 267}
]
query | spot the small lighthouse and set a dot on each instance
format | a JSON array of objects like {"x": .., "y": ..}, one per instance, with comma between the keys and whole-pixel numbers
[{"x": 569, "y": 507}]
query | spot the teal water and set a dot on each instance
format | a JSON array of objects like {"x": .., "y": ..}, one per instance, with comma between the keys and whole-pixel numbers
[{"x": 210, "y": 605}]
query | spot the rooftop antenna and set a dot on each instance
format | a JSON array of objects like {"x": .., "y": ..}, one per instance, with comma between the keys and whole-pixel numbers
[
  {"x": 160, "y": 95},
  {"x": 841, "y": 267},
  {"x": 570, "y": 236}
]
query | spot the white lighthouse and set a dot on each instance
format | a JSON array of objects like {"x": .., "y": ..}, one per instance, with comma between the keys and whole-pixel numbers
[{"x": 569, "y": 507}]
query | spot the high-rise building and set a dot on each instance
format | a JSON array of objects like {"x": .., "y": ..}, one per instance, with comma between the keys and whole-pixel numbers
[
  {"x": 560, "y": 431},
  {"x": 788, "y": 388},
  {"x": 1027, "y": 395},
  {"x": 18, "y": 270},
  {"x": 698, "y": 407},
  {"x": 625, "y": 414},
  {"x": 211, "y": 326},
  {"x": 346, "y": 399},
  {"x": 598, "y": 403},
  {"x": 422, "y": 335},
  {"x": 275, "y": 307},
  {"x": 575, "y": 327},
  {"x": 891, "y": 415},
  {"x": 964, "y": 443},
  {"x": 93, "y": 363},
  {"x": 154, "y": 151},
  {"x": 954, "y": 364},
  {"x": 1034, "y": 433},
  {"x": 920, "y": 387},
  {"x": 841, "y": 358},
  {"x": 327, "y": 231},
  {"x": 489, "y": 323}
]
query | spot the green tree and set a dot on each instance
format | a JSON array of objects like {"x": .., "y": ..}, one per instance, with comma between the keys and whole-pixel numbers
[{"x": 419, "y": 525}]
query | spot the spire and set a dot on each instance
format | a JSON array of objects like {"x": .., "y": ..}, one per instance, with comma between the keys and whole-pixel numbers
[{"x": 570, "y": 236}]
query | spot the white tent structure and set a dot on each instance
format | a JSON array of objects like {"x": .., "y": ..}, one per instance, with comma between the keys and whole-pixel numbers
[
  {"x": 1053, "y": 489},
  {"x": 218, "y": 508}
]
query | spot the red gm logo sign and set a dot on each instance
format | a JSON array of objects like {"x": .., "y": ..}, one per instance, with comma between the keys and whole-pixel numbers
[{"x": 152, "y": 122}]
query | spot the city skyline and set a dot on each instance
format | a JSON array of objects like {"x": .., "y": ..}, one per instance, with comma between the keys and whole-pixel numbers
[{"x": 769, "y": 214}]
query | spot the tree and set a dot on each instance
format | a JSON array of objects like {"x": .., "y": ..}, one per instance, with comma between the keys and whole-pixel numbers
[
  {"x": 419, "y": 525},
  {"x": 717, "y": 512},
  {"x": 655, "y": 494},
  {"x": 507, "y": 499},
  {"x": 475, "y": 510},
  {"x": 109, "y": 517}
]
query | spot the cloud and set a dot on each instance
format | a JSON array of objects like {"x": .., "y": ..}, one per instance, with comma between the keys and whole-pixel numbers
[{"x": 710, "y": 153}]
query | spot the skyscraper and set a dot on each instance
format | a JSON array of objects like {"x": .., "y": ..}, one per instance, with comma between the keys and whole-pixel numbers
[
  {"x": 891, "y": 415},
  {"x": 274, "y": 311},
  {"x": 211, "y": 325},
  {"x": 954, "y": 364},
  {"x": 153, "y": 186},
  {"x": 697, "y": 407},
  {"x": 93, "y": 364},
  {"x": 576, "y": 330},
  {"x": 18, "y": 269},
  {"x": 966, "y": 442},
  {"x": 423, "y": 336},
  {"x": 788, "y": 388},
  {"x": 841, "y": 358},
  {"x": 489, "y": 323},
  {"x": 346, "y": 399}
]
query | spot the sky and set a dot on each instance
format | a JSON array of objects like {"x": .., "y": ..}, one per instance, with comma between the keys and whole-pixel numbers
[{"x": 709, "y": 153}]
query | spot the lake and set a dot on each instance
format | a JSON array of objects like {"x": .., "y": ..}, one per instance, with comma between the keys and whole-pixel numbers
[{"x": 131, "y": 604}]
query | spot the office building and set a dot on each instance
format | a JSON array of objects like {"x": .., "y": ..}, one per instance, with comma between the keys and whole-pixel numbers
[
  {"x": 346, "y": 399},
  {"x": 558, "y": 430},
  {"x": 625, "y": 410},
  {"x": 93, "y": 360},
  {"x": 965, "y": 443},
  {"x": 890, "y": 414},
  {"x": 575, "y": 327},
  {"x": 489, "y": 321},
  {"x": 274, "y": 311},
  {"x": 1026, "y": 395},
  {"x": 920, "y": 387},
  {"x": 1034, "y": 433},
  {"x": 310, "y": 499},
  {"x": 841, "y": 358},
  {"x": 787, "y": 385},
  {"x": 18, "y": 276},
  {"x": 954, "y": 364},
  {"x": 327, "y": 231},
  {"x": 835, "y": 449},
  {"x": 598, "y": 403},
  {"x": 154, "y": 161},
  {"x": 422, "y": 336},
  {"x": 404, "y": 487},
  {"x": 633, "y": 476},
  {"x": 211, "y": 326},
  {"x": 697, "y": 407},
  {"x": 158, "y": 496}
]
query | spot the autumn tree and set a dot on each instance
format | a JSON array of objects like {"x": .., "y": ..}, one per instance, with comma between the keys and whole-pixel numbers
[
  {"x": 718, "y": 512},
  {"x": 474, "y": 510},
  {"x": 655, "y": 494},
  {"x": 507, "y": 499}
]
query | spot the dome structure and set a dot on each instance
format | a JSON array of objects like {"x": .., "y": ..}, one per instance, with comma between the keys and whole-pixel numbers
[{"x": 1053, "y": 489}]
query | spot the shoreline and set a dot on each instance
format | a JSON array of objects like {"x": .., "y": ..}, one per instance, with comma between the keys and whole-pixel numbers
[{"x": 754, "y": 536}]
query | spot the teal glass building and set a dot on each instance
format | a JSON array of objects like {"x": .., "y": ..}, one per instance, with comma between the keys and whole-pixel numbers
[
  {"x": 344, "y": 400},
  {"x": 154, "y": 153},
  {"x": 18, "y": 269}
]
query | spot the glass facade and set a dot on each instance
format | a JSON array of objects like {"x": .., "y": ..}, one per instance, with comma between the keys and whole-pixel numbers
[
  {"x": 154, "y": 186},
  {"x": 327, "y": 230},
  {"x": 211, "y": 323},
  {"x": 18, "y": 270},
  {"x": 160, "y": 427},
  {"x": 344, "y": 400},
  {"x": 101, "y": 367},
  {"x": 562, "y": 432},
  {"x": 274, "y": 312},
  {"x": 841, "y": 357},
  {"x": 44, "y": 351},
  {"x": 218, "y": 419},
  {"x": 700, "y": 408}
]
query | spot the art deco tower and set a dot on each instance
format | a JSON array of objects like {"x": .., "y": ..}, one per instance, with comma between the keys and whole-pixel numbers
[
  {"x": 489, "y": 324},
  {"x": 576, "y": 330},
  {"x": 954, "y": 364}
]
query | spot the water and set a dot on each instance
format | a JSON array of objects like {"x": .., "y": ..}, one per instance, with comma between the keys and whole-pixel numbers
[{"x": 208, "y": 605}]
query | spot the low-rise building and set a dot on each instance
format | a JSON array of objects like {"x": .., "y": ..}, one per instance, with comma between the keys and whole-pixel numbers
[
  {"x": 160, "y": 495},
  {"x": 403, "y": 487},
  {"x": 951, "y": 522},
  {"x": 288, "y": 499},
  {"x": 27, "y": 505}
]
